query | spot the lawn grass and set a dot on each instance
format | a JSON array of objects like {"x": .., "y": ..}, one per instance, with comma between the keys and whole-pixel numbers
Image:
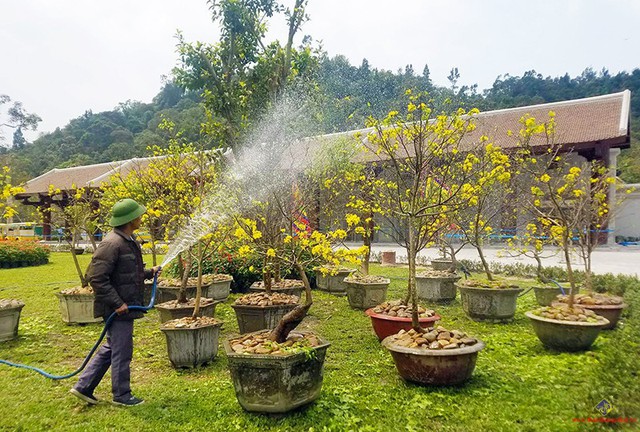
[{"x": 517, "y": 386}]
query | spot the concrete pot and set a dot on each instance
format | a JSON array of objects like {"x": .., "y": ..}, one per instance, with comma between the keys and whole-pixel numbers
[
  {"x": 489, "y": 304},
  {"x": 295, "y": 290},
  {"x": 437, "y": 289},
  {"x": 188, "y": 348},
  {"x": 170, "y": 313},
  {"x": 363, "y": 295},
  {"x": 218, "y": 290},
  {"x": 333, "y": 283},
  {"x": 385, "y": 325},
  {"x": 253, "y": 318},
  {"x": 434, "y": 367},
  {"x": 77, "y": 308},
  {"x": 610, "y": 312},
  {"x": 165, "y": 294},
  {"x": 546, "y": 295},
  {"x": 276, "y": 384},
  {"x": 441, "y": 264},
  {"x": 9, "y": 322},
  {"x": 565, "y": 335}
]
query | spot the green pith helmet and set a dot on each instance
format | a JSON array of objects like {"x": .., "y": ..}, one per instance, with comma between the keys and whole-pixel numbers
[{"x": 124, "y": 211}]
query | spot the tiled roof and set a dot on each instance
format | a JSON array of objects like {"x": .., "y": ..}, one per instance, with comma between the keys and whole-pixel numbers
[{"x": 581, "y": 123}]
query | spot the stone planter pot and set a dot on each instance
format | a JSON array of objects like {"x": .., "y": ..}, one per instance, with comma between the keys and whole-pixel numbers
[
  {"x": 565, "y": 335},
  {"x": 437, "y": 289},
  {"x": 610, "y": 312},
  {"x": 441, "y": 264},
  {"x": 188, "y": 348},
  {"x": 385, "y": 325},
  {"x": 333, "y": 283},
  {"x": 276, "y": 384},
  {"x": 170, "y": 313},
  {"x": 434, "y": 367},
  {"x": 546, "y": 295},
  {"x": 9, "y": 322},
  {"x": 365, "y": 295},
  {"x": 166, "y": 294},
  {"x": 79, "y": 251},
  {"x": 294, "y": 290},
  {"x": 77, "y": 308},
  {"x": 253, "y": 318},
  {"x": 219, "y": 290},
  {"x": 489, "y": 304},
  {"x": 388, "y": 258}
]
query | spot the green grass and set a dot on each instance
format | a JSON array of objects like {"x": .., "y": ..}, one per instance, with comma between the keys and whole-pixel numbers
[{"x": 517, "y": 384}]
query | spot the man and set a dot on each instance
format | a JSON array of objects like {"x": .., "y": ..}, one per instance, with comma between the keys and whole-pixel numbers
[{"x": 117, "y": 276}]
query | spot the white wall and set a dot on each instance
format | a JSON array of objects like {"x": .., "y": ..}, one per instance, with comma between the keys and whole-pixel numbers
[{"x": 628, "y": 216}]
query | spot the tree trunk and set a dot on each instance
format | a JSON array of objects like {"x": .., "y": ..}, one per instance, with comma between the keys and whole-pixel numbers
[
  {"x": 541, "y": 277},
  {"x": 182, "y": 296},
  {"x": 365, "y": 262},
  {"x": 266, "y": 275},
  {"x": 412, "y": 291},
  {"x": 196, "y": 310},
  {"x": 291, "y": 320},
  {"x": 485, "y": 264},
  {"x": 83, "y": 280},
  {"x": 572, "y": 282}
]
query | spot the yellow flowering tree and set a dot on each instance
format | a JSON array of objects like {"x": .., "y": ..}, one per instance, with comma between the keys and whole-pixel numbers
[
  {"x": 569, "y": 199},
  {"x": 421, "y": 157},
  {"x": 7, "y": 191},
  {"x": 488, "y": 177},
  {"x": 533, "y": 242},
  {"x": 350, "y": 191},
  {"x": 76, "y": 213}
]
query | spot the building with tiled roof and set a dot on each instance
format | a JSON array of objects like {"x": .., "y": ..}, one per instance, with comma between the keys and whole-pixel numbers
[{"x": 594, "y": 128}]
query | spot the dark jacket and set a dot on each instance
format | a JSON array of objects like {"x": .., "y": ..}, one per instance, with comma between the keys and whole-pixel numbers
[{"x": 117, "y": 275}]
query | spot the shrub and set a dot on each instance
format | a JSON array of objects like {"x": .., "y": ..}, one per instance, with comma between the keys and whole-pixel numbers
[{"x": 22, "y": 252}]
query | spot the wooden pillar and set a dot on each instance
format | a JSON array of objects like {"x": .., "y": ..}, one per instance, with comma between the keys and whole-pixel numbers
[{"x": 45, "y": 208}]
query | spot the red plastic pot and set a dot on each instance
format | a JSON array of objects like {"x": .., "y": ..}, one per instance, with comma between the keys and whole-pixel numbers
[{"x": 385, "y": 325}]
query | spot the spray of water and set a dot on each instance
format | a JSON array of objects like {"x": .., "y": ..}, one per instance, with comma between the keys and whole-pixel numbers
[{"x": 271, "y": 159}]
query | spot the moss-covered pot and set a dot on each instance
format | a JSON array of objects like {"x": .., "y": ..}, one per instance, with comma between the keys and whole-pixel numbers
[
  {"x": 192, "y": 347},
  {"x": 277, "y": 384},
  {"x": 333, "y": 283},
  {"x": 546, "y": 295},
  {"x": 296, "y": 290},
  {"x": 437, "y": 289},
  {"x": 365, "y": 295},
  {"x": 565, "y": 335},
  {"x": 442, "y": 264},
  {"x": 252, "y": 318},
  {"x": 611, "y": 312},
  {"x": 166, "y": 313},
  {"x": 77, "y": 308},
  {"x": 165, "y": 294},
  {"x": 489, "y": 304},
  {"x": 434, "y": 367},
  {"x": 9, "y": 322},
  {"x": 385, "y": 325},
  {"x": 218, "y": 290}
]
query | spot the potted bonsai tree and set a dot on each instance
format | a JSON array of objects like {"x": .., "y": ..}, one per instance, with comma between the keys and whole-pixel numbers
[
  {"x": 557, "y": 187},
  {"x": 188, "y": 175},
  {"x": 76, "y": 212},
  {"x": 280, "y": 369},
  {"x": 486, "y": 192},
  {"x": 420, "y": 155},
  {"x": 192, "y": 340}
]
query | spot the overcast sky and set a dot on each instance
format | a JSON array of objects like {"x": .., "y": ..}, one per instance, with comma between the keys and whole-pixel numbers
[{"x": 61, "y": 58}]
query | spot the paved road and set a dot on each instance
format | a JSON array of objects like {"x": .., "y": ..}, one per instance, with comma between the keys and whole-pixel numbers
[{"x": 616, "y": 260}]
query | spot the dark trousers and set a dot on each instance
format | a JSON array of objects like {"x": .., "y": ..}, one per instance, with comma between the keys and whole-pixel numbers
[{"x": 115, "y": 353}]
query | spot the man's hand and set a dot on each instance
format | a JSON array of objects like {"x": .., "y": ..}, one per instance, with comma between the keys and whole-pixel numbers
[
  {"x": 156, "y": 270},
  {"x": 122, "y": 309}
]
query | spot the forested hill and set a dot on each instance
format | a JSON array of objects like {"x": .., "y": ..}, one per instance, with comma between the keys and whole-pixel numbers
[{"x": 347, "y": 95}]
